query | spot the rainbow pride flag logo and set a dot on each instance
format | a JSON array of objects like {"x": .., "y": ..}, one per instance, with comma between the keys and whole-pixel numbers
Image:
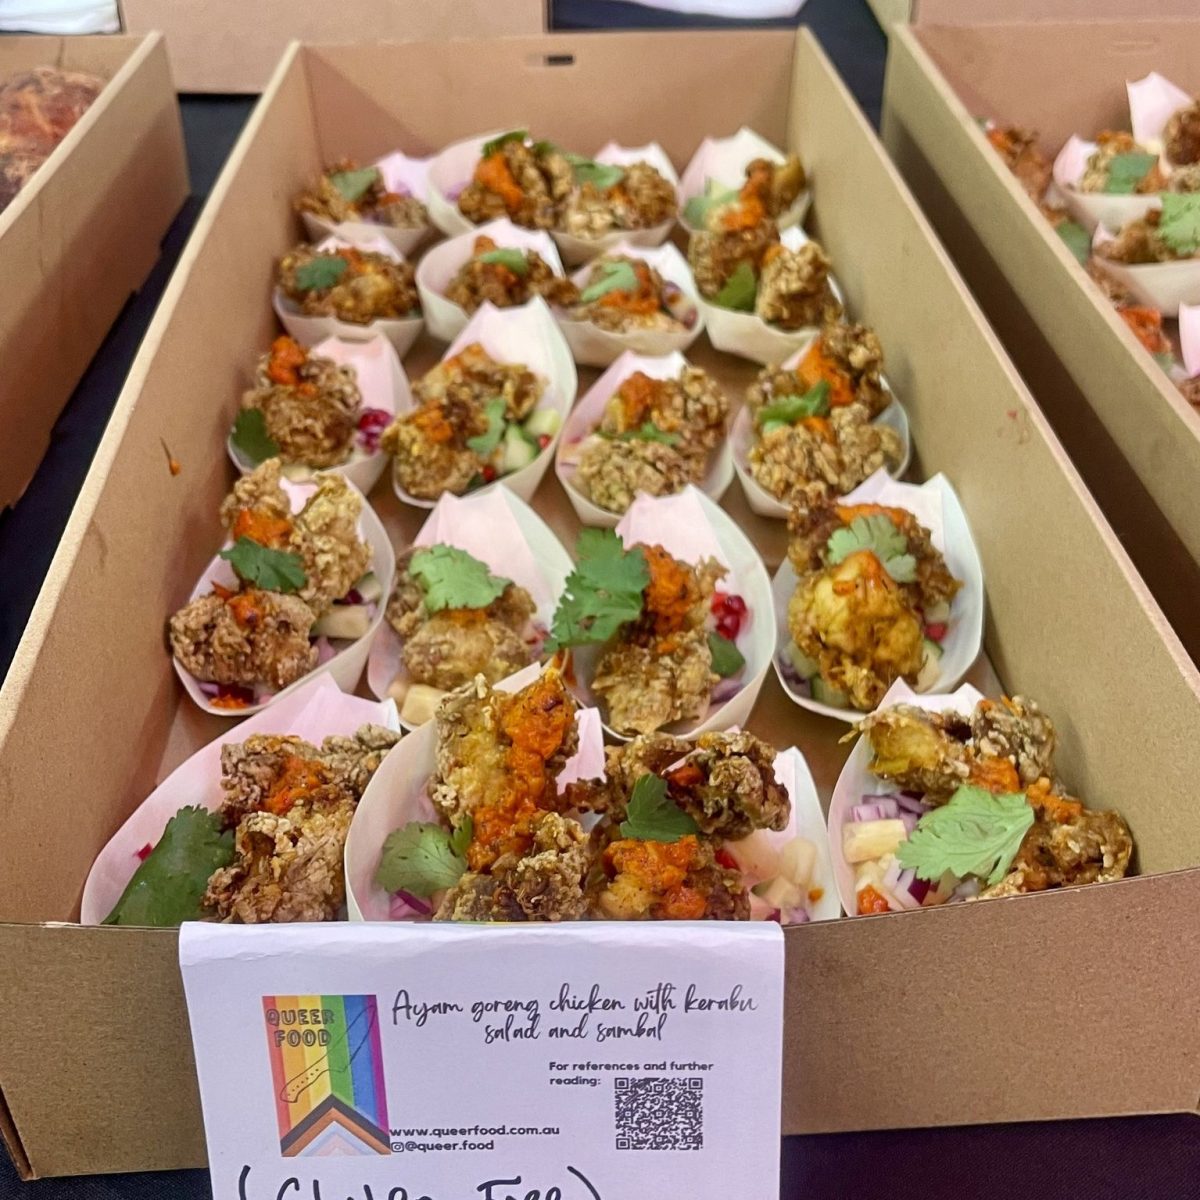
[{"x": 327, "y": 1071}]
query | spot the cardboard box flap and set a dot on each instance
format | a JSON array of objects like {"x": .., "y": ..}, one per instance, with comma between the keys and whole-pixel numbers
[{"x": 1005, "y": 12}]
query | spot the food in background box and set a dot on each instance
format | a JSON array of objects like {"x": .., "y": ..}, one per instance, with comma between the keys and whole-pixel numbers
[
  {"x": 872, "y": 602},
  {"x": 624, "y": 294},
  {"x": 357, "y": 286},
  {"x": 301, "y": 584},
  {"x": 475, "y": 422},
  {"x": 507, "y": 276},
  {"x": 273, "y": 851},
  {"x": 978, "y": 811},
  {"x": 656, "y": 436},
  {"x": 456, "y": 620},
  {"x": 1023, "y": 157},
  {"x": 1169, "y": 234},
  {"x": 348, "y": 192},
  {"x": 37, "y": 110}
]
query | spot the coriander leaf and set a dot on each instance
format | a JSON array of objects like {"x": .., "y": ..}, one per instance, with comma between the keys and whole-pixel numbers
[
  {"x": 452, "y": 578},
  {"x": 419, "y": 858},
  {"x": 727, "y": 659},
  {"x": 601, "y": 176},
  {"x": 506, "y": 256},
  {"x": 354, "y": 185},
  {"x": 609, "y": 277},
  {"x": 1126, "y": 171},
  {"x": 740, "y": 289},
  {"x": 975, "y": 833},
  {"x": 648, "y": 432},
  {"x": 271, "y": 570},
  {"x": 250, "y": 436},
  {"x": 1078, "y": 240},
  {"x": 1166, "y": 360},
  {"x": 485, "y": 443},
  {"x": 652, "y": 816},
  {"x": 168, "y": 886},
  {"x": 502, "y": 139},
  {"x": 320, "y": 273},
  {"x": 696, "y": 210},
  {"x": 541, "y": 149},
  {"x": 1180, "y": 222},
  {"x": 603, "y": 593},
  {"x": 877, "y": 533},
  {"x": 460, "y": 839},
  {"x": 793, "y": 408}
]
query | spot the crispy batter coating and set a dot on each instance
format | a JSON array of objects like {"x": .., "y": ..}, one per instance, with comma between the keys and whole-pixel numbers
[
  {"x": 643, "y": 198},
  {"x": 372, "y": 286},
  {"x": 524, "y": 181},
  {"x": 478, "y": 282},
  {"x": 846, "y": 356},
  {"x": 715, "y": 256},
  {"x": 1139, "y": 242},
  {"x": 794, "y": 290},
  {"x": 655, "y": 303},
  {"x": 1110, "y": 145},
  {"x": 376, "y": 204},
  {"x": 1023, "y": 157},
  {"x": 611, "y": 473},
  {"x": 767, "y": 191},
  {"x": 1181, "y": 137}
]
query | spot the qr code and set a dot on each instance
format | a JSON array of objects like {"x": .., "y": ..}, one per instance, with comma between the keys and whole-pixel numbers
[{"x": 657, "y": 1113}]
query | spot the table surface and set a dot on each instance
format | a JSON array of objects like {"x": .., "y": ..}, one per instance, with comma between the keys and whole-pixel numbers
[{"x": 1142, "y": 1158}]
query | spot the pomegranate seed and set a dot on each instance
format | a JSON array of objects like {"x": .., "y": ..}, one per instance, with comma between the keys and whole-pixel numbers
[
  {"x": 718, "y": 602},
  {"x": 488, "y": 473},
  {"x": 726, "y": 859},
  {"x": 543, "y": 441},
  {"x": 728, "y": 628},
  {"x": 144, "y": 852},
  {"x": 936, "y": 632},
  {"x": 735, "y": 605}
]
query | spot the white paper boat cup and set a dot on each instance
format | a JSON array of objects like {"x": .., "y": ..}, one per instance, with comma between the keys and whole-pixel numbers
[
  {"x": 1189, "y": 339},
  {"x": 382, "y": 384},
  {"x": 748, "y": 335},
  {"x": 596, "y": 347},
  {"x": 314, "y": 711},
  {"x": 742, "y": 438},
  {"x": 1153, "y": 101},
  {"x": 586, "y": 416},
  {"x": 349, "y": 658},
  {"x": 579, "y": 249},
  {"x": 692, "y": 527},
  {"x": 724, "y": 161},
  {"x": 308, "y": 331},
  {"x": 400, "y": 174},
  {"x": 397, "y": 795},
  {"x": 856, "y": 780},
  {"x": 525, "y": 335},
  {"x": 1165, "y": 286},
  {"x": 509, "y": 538},
  {"x": 936, "y": 505},
  {"x": 1095, "y": 209},
  {"x": 445, "y": 319}
]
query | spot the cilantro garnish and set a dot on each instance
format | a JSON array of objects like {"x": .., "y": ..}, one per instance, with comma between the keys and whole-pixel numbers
[
  {"x": 541, "y": 149},
  {"x": 485, "y": 443},
  {"x": 696, "y": 210},
  {"x": 423, "y": 858},
  {"x": 169, "y": 885},
  {"x": 793, "y": 408},
  {"x": 271, "y": 570},
  {"x": 877, "y": 533},
  {"x": 603, "y": 593},
  {"x": 740, "y": 289},
  {"x": 727, "y": 659},
  {"x": 506, "y": 256},
  {"x": 975, "y": 833},
  {"x": 609, "y": 277},
  {"x": 452, "y": 578},
  {"x": 502, "y": 139},
  {"x": 1166, "y": 360},
  {"x": 652, "y": 816},
  {"x": 320, "y": 273},
  {"x": 354, "y": 185},
  {"x": 1078, "y": 240},
  {"x": 250, "y": 436},
  {"x": 1180, "y": 222},
  {"x": 601, "y": 176},
  {"x": 647, "y": 432},
  {"x": 1126, "y": 171}
]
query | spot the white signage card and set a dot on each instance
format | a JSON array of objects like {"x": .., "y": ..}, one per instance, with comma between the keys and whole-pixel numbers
[{"x": 465, "y": 1062}]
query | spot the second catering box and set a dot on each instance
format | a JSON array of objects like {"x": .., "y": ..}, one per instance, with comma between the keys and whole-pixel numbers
[{"x": 1064, "y": 1004}]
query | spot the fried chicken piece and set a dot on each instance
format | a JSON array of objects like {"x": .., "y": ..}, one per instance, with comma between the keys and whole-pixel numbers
[
  {"x": 1181, "y": 137},
  {"x": 691, "y": 408},
  {"x": 524, "y": 181},
  {"x": 352, "y": 761},
  {"x": 365, "y": 285},
  {"x": 376, "y": 204},
  {"x": 768, "y": 190},
  {"x": 625, "y": 764},
  {"x": 452, "y": 647},
  {"x": 1189, "y": 389},
  {"x": 654, "y": 303},
  {"x": 643, "y": 198},
  {"x": 258, "y": 507},
  {"x": 477, "y": 282},
  {"x": 1016, "y": 730},
  {"x": 1184, "y": 179},
  {"x": 669, "y": 881},
  {"x": 1139, "y": 242},
  {"x": 429, "y": 446},
  {"x": 847, "y": 357},
  {"x": 251, "y": 637},
  {"x": 473, "y": 374},
  {"x": 1110, "y": 145},
  {"x": 919, "y": 751},
  {"x": 714, "y": 257},
  {"x": 794, "y": 290},
  {"x": 251, "y": 771},
  {"x": 611, "y": 473},
  {"x": 1023, "y": 157},
  {"x": 310, "y": 404}
]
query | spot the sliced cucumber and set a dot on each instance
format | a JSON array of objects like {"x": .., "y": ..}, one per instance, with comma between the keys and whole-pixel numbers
[
  {"x": 543, "y": 422},
  {"x": 937, "y": 614},
  {"x": 346, "y": 622},
  {"x": 934, "y": 649},
  {"x": 369, "y": 588},
  {"x": 806, "y": 667},
  {"x": 825, "y": 693},
  {"x": 420, "y": 704},
  {"x": 516, "y": 450},
  {"x": 931, "y": 668}
]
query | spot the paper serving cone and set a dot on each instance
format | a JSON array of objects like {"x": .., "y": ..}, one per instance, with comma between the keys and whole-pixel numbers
[
  {"x": 936, "y": 505},
  {"x": 397, "y": 795},
  {"x": 499, "y": 529},
  {"x": 1165, "y": 286},
  {"x": 525, "y": 335},
  {"x": 586, "y": 415},
  {"x": 315, "y": 710},
  {"x": 308, "y": 331},
  {"x": 382, "y": 384},
  {"x": 1095, "y": 209},
  {"x": 444, "y": 319},
  {"x": 346, "y": 662}
]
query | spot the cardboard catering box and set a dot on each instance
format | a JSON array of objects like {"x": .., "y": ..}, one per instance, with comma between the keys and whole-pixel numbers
[
  {"x": 234, "y": 45},
  {"x": 82, "y": 235},
  {"x": 1069, "y": 1004},
  {"x": 1134, "y": 438},
  {"x": 990, "y": 12}
]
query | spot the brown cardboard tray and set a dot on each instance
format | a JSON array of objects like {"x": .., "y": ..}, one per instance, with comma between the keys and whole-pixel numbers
[
  {"x": 234, "y": 45},
  {"x": 1133, "y": 437},
  {"x": 82, "y": 235},
  {"x": 991, "y": 12},
  {"x": 987, "y": 1012}
]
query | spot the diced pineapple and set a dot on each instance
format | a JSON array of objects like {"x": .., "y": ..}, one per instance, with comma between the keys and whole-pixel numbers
[
  {"x": 398, "y": 689},
  {"x": 420, "y": 704},
  {"x": 781, "y": 893},
  {"x": 862, "y": 840},
  {"x": 798, "y": 862},
  {"x": 757, "y": 855}
]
